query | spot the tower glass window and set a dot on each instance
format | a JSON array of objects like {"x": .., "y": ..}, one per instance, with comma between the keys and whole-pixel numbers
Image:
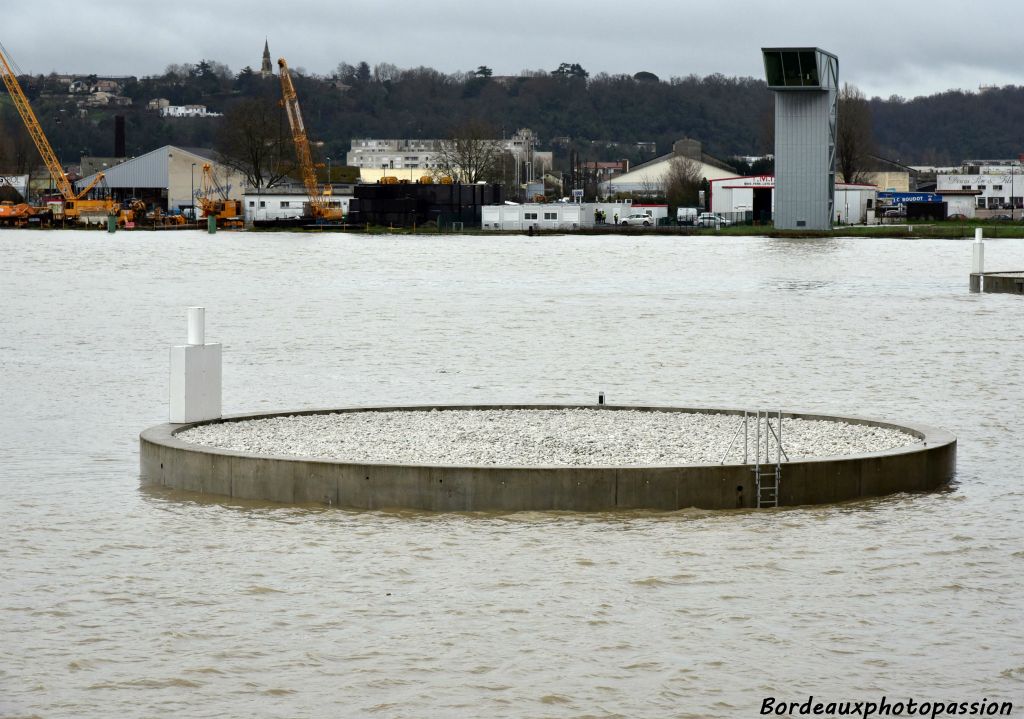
[
  {"x": 792, "y": 68},
  {"x": 773, "y": 68}
]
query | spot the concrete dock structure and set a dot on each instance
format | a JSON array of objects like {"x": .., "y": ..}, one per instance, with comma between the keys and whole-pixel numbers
[
  {"x": 170, "y": 462},
  {"x": 1010, "y": 282}
]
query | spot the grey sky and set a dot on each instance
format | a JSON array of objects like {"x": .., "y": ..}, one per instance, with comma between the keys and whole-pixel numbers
[{"x": 885, "y": 48}]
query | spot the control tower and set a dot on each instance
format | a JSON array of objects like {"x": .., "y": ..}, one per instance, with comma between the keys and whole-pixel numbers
[{"x": 805, "y": 81}]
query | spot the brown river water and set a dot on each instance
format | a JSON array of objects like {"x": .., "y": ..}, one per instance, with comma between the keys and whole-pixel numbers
[{"x": 118, "y": 600}]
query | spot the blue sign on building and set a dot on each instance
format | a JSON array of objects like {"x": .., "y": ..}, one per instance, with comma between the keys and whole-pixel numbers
[{"x": 901, "y": 198}]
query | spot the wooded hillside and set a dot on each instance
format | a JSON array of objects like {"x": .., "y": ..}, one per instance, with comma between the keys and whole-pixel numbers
[{"x": 601, "y": 116}]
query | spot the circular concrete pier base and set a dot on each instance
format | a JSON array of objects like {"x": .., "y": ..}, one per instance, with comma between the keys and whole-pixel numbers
[{"x": 926, "y": 464}]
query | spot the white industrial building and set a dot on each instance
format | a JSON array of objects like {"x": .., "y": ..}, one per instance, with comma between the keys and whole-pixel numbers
[
  {"x": 650, "y": 177},
  {"x": 553, "y": 215},
  {"x": 991, "y": 188},
  {"x": 960, "y": 202},
  {"x": 730, "y": 196},
  {"x": 419, "y": 157},
  {"x": 285, "y": 203},
  {"x": 540, "y": 216},
  {"x": 854, "y": 204},
  {"x": 754, "y": 194}
]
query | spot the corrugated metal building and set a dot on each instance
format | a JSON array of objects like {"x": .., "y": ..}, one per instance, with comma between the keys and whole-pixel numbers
[{"x": 169, "y": 177}]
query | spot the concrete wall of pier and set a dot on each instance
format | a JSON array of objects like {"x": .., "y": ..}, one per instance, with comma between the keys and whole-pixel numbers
[{"x": 170, "y": 462}]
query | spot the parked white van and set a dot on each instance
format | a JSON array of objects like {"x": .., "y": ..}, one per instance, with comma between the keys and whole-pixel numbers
[{"x": 687, "y": 215}]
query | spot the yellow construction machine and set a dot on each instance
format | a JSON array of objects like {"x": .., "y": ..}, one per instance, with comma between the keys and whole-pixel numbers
[
  {"x": 76, "y": 207},
  {"x": 214, "y": 202},
  {"x": 319, "y": 202},
  {"x": 22, "y": 214}
]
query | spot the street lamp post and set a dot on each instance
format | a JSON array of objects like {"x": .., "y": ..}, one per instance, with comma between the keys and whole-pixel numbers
[
  {"x": 1013, "y": 205},
  {"x": 192, "y": 197},
  {"x": 328, "y": 171}
]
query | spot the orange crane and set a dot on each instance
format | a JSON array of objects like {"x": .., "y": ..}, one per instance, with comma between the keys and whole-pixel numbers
[
  {"x": 228, "y": 212},
  {"x": 318, "y": 204},
  {"x": 74, "y": 205}
]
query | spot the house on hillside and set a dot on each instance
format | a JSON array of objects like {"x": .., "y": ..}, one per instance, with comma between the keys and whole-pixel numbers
[
  {"x": 187, "y": 111},
  {"x": 103, "y": 99}
]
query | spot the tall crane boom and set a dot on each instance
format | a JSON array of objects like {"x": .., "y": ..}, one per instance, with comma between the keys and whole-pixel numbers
[
  {"x": 317, "y": 203},
  {"x": 75, "y": 207},
  {"x": 35, "y": 130}
]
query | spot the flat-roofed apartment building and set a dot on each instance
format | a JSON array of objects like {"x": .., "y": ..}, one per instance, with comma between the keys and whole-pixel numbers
[{"x": 422, "y": 155}]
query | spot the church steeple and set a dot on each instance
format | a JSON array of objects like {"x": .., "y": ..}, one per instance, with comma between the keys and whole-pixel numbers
[{"x": 267, "y": 70}]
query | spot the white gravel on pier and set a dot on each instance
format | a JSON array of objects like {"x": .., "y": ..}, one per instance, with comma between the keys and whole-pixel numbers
[{"x": 517, "y": 437}]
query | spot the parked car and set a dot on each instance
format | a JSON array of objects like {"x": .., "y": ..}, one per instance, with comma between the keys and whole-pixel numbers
[
  {"x": 1001, "y": 218},
  {"x": 710, "y": 219},
  {"x": 957, "y": 217},
  {"x": 637, "y": 219},
  {"x": 895, "y": 212}
]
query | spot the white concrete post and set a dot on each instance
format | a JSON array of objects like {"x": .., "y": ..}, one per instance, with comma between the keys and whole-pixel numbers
[
  {"x": 978, "y": 258},
  {"x": 195, "y": 382},
  {"x": 197, "y": 325}
]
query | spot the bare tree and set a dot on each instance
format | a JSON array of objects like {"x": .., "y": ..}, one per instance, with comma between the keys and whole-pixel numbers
[
  {"x": 18, "y": 154},
  {"x": 590, "y": 178},
  {"x": 470, "y": 155},
  {"x": 650, "y": 189},
  {"x": 854, "y": 138},
  {"x": 766, "y": 127},
  {"x": 505, "y": 173},
  {"x": 386, "y": 72},
  {"x": 254, "y": 141},
  {"x": 25, "y": 154},
  {"x": 682, "y": 183}
]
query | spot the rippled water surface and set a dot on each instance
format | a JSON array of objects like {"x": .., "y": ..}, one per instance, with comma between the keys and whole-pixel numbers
[{"x": 117, "y": 600}]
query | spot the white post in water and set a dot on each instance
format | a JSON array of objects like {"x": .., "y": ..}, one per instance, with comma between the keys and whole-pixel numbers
[
  {"x": 195, "y": 386},
  {"x": 978, "y": 259},
  {"x": 197, "y": 325}
]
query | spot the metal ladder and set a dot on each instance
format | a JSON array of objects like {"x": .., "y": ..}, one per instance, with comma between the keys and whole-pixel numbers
[
  {"x": 767, "y": 474},
  {"x": 767, "y": 481}
]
